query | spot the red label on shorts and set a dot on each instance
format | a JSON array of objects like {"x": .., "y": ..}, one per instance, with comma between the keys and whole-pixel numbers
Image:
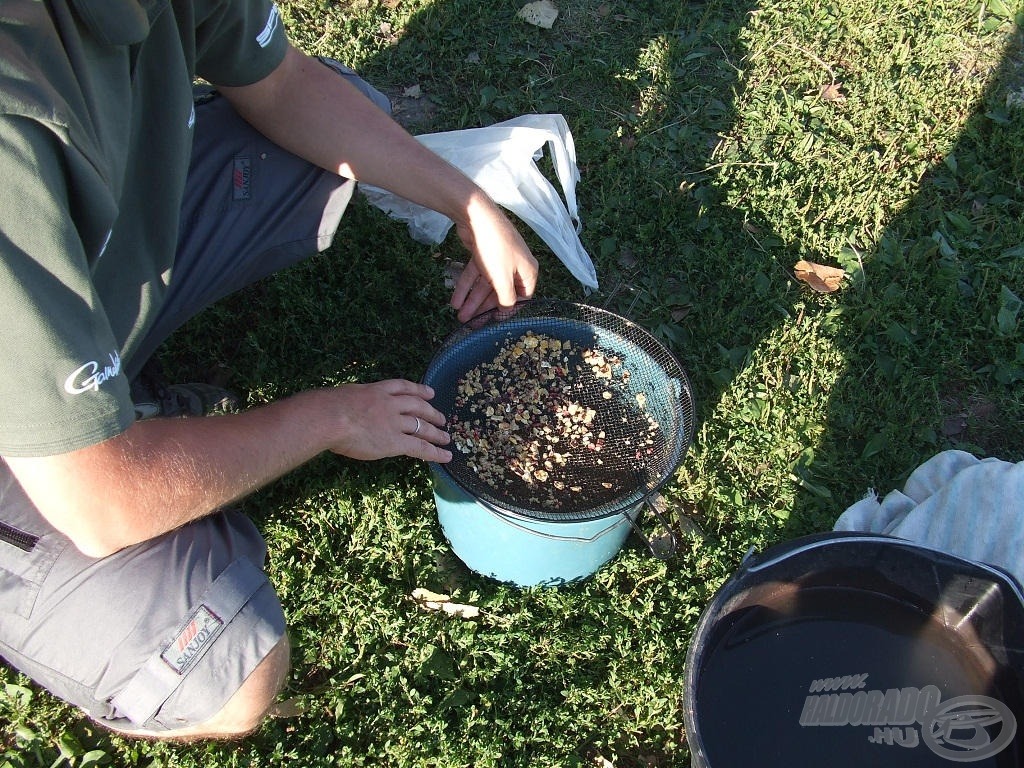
[
  {"x": 241, "y": 179},
  {"x": 192, "y": 640}
]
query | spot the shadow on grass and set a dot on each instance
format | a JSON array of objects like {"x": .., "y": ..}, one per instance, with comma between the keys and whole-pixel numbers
[
  {"x": 647, "y": 89},
  {"x": 930, "y": 328},
  {"x": 656, "y": 224}
]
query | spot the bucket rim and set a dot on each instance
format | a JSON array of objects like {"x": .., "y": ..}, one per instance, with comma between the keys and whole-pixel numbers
[
  {"x": 754, "y": 564},
  {"x": 623, "y": 510}
]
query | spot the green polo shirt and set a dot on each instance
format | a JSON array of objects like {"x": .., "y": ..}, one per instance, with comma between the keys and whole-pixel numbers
[{"x": 96, "y": 118}]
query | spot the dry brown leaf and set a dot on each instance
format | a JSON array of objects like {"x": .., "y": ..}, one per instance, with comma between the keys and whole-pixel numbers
[
  {"x": 387, "y": 32},
  {"x": 821, "y": 278},
  {"x": 434, "y": 601},
  {"x": 294, "y": 707},
  {"x": 541, "y": 13},
  {"x": 420, "y": 595},
  {"x": 833, "y": 92},
  {"x": 460, "y": 611}
]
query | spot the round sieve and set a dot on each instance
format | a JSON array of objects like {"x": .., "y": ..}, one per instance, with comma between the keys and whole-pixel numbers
[{"x": 561, "y": 411}]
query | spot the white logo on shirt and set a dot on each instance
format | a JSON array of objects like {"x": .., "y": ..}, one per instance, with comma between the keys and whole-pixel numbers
[
  {"x": 90, "y": 376},
  {"x": 191, "y": 117},
  {"x": 264, "y": 37},
  {"x": 106, "y": 242}
]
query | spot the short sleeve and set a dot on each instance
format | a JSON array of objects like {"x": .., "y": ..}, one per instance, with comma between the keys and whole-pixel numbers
[
  {"x": 64, "y": 388},
  {"x": 238, "y": 42}
]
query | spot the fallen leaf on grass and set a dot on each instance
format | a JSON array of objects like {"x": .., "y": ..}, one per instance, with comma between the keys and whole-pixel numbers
[
  {"x": 294, "y": 707},
  {"x": 541, "y": 13},
  {"x": 833, "y": 92},
  {"x": 452, "y": 270},
  {"x": 413, "y": 92},
  {"x": 821, "y": 278},
  {"x": 953, "y": 426},
  {"x": 387, "y": 33},
  {"x": 433, "y": 601},
  {"x": 421, "y": 594}
]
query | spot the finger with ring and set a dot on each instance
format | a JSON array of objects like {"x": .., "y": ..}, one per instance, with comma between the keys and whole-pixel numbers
[{"x": 418, "y": 425}]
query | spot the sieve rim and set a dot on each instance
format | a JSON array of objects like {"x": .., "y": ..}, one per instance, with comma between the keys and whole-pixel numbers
[{"x": 677, "y": 440}]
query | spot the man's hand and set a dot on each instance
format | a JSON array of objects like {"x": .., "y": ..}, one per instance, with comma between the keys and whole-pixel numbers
[
  {"x": 389, "y": 418},
  {"x": 502, "y": 270}
]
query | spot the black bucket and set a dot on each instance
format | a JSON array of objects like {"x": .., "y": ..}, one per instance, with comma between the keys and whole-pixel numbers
[{"x": 854, "y": 650}]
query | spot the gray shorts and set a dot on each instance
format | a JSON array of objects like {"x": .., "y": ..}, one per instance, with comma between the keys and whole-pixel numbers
[
  {"x": 161, "y": 634},
  {"x": 158, "y": 635},
  {"x": 250, "y": 210}
]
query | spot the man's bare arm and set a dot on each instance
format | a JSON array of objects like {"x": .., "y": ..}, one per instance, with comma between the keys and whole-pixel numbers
[
  {"x": 306, "y": 108},
  {"x": 162, "y": 473}
]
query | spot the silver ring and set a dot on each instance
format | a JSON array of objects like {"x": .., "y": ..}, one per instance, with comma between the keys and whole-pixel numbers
[{"x": 418, "y": 425}]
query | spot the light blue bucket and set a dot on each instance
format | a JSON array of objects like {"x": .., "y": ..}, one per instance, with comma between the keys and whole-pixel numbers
[
  {"x": 528, "y": 547},
  {"x": 521, "y": 550}
]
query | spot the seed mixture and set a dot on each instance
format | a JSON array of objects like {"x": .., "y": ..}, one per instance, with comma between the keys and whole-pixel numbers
[{"x": 548, "y": 423}]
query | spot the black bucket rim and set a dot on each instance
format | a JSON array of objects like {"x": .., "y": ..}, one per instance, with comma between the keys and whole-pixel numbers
[{"x": 758, "y": 564}]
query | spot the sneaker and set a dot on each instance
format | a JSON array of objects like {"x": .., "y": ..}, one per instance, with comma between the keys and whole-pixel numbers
[{"x": 153, "y": 397}]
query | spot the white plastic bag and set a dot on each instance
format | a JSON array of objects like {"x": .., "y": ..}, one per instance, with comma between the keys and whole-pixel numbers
[{"x": 502, "y": 159}]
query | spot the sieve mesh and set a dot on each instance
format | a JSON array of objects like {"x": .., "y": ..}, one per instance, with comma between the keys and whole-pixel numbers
[{"x": 561, "y": 411}]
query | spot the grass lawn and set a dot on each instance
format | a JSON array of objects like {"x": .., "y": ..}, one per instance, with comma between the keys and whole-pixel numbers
[{"x": 719, "y": 143}]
